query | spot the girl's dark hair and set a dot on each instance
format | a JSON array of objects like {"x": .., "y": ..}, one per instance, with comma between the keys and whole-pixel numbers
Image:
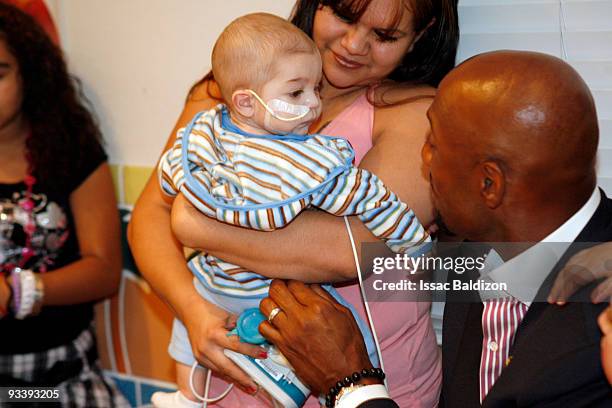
[
  {"x": 432, "y": 56},
  {"x": 62, "y": 128}
]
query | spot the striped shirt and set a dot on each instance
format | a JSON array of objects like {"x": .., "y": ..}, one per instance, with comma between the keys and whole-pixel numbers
[
  {"x": 263, "y": 182},
  {"x": 500, "y": 321}
]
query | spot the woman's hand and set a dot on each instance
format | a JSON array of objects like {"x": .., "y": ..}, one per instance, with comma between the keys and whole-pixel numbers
[
  {"x": 208, "y": 326},
  {"x": 318, "y": 336},
  {"x": 583, "y": 268}
]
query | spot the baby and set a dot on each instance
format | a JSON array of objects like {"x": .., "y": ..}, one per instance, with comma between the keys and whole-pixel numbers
[{"x": 250, "y": 163}]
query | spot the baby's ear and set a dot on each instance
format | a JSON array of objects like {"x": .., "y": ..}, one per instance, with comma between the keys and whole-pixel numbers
[{"x": 244, "y": 102}]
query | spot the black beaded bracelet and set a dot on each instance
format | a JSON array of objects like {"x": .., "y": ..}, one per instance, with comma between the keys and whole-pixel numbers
[{"x": 330, "y": 397}]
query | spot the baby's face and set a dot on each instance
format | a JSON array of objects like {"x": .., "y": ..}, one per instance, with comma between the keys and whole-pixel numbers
[{"x": 296, "y": 81}]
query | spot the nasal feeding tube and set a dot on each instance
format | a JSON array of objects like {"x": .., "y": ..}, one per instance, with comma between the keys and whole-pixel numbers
[{"x": 278, "y": 105}]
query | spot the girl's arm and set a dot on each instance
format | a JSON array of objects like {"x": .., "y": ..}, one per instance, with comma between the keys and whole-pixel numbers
[
  {"x": 96, "y": 275},
  {"x": 315, "y": 246}
]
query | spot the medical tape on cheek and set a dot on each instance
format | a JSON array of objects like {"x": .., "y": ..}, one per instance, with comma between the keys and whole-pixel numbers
[{"x": 278, "y": 105}]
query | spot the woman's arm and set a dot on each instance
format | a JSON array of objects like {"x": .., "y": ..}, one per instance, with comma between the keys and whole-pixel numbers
[
  {"x": 315, "y": 247},
  {"x": 159, "y": 257}
]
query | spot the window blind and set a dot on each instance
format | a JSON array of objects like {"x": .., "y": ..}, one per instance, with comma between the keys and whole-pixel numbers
[{"x": 579, "y": 31}]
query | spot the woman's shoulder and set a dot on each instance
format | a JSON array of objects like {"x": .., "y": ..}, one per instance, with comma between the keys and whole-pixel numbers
[
  {"x": 204, "y": 90},
  {"x": 402, "y": 109},
  {"x": 391, "y": 95},
  {"x": 203, "y": 96}
]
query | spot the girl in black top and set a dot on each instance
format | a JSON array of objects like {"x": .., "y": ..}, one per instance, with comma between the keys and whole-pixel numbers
[{"x": 59, "y": 226}]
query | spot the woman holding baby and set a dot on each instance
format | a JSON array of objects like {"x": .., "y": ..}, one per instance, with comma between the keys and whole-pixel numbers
[{"x": 381, "y": 60}]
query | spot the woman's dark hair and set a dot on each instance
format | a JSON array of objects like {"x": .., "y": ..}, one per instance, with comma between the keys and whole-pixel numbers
[
  {"x": 61, "y": 127},
  {"x": 433, "y": 55}
]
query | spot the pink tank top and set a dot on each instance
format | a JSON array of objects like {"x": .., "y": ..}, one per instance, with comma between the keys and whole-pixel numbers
[
  {"x": 409, "y": 351},
  {"x": 410, "y": 354}
]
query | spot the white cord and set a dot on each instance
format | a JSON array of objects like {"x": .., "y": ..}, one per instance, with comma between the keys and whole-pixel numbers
[
  {"x": 562, "y": 29},
  {"x": 205, "y": 399},
  {"x": 363, "y": 295}
]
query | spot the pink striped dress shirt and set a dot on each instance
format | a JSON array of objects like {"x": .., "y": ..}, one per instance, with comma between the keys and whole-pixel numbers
[{"x": 500, "y": 320}]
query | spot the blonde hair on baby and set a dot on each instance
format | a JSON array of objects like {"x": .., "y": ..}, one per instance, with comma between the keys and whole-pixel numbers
[{"x": 246, "y": 51}]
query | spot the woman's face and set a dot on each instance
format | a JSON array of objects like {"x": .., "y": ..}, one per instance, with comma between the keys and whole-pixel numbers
[
  {"x": 363, "y": 52},
  {"x": 11, "y": 94}
]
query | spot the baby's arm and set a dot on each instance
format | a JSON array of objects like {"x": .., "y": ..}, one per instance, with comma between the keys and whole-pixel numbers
[{"x": 359, "y": 192}]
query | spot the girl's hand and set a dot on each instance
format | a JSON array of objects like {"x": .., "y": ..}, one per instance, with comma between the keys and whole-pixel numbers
[
  {"x": 583, "y": 268},
  {"x": 5, "y": 293},
  {"x": 208, "y": 326}
]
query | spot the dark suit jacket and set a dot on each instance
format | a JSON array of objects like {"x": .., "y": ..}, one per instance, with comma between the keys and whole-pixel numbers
[
  {"x": 556, "y": 358},
  {"x": 556, "y": 355}
]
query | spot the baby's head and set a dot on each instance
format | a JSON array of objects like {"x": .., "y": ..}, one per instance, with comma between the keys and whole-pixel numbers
[{"x": 269, "y": 72}]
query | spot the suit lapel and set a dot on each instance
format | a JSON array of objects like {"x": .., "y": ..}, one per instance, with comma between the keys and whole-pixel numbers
[{"x": 547, "y": 331}]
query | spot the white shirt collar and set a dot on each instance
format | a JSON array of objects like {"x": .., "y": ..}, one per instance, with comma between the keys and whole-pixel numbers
[{"x": 526, "y": 272}]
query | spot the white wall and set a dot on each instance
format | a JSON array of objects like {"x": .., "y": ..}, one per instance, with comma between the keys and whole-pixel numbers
[{"x": 138, "y": 58}]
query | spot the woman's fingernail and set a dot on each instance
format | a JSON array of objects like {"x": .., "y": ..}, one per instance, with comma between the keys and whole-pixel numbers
[{"x": 263, "y": 354}]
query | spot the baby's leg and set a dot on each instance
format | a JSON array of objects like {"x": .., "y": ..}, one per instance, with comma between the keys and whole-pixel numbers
[
  {"x": 183, "y": 398},
  {"x": 182, "y": 381}
]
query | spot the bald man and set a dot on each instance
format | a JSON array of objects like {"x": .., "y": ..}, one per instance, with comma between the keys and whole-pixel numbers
[{"x": 511, "y": 158}]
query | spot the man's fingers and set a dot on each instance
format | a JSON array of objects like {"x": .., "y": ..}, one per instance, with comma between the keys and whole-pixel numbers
[
  {"x": 327, "y": 296},
  {"x": 305, "y": 294},
  {"x": 270, "y": 333},
  {"x": 568, "y": 281},
  {"x": 283, "y": 297},
  {"x": 266, "y": 307},
  {"x": 322, "y": 292},
  {"x": 603, "y": 292}
]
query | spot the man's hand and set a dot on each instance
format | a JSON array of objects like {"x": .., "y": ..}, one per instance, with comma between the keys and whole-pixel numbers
[
  {"x": 583, "y": 268},
  {"x": 316, "y": 334}
]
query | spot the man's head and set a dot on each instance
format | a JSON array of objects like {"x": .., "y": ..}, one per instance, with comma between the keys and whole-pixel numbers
[
  {"x": 267, "y": 68},
  {"x": 512, "y": 149}
]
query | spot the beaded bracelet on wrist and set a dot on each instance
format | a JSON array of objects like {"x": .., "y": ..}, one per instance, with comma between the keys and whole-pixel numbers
[{"x": 330, "y": 398}]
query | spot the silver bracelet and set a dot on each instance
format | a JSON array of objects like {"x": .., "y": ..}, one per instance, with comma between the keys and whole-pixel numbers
[{"x": 31, "y": 293}]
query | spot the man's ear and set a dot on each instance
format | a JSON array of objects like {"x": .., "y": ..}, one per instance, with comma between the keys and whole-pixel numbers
[
  {"x": 492, "y": 184},
  {"x": 243, "y": 102}
]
